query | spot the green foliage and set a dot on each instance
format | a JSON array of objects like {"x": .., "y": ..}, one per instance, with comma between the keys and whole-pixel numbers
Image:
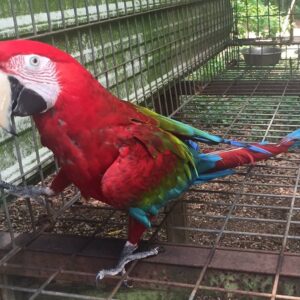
[{"x": 257, "y": 16}]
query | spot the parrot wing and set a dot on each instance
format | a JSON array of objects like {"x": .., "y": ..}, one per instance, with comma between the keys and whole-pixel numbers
[
  {"x": 179, "y": 128},
  {"x": 157, "y": 162},
  {"x": 188, "y": 132},
  {"x": 152, "y": 168}
]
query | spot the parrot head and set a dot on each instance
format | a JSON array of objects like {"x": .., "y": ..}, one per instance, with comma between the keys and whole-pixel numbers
[{"x": 33, "y": 77}]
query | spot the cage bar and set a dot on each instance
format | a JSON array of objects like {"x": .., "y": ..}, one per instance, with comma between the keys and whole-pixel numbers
[{"x": 232, "y": 238}]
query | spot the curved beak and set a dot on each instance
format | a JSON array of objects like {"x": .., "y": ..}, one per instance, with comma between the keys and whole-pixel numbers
[
  {"x": 5, "y": 104},
  {"x": 17, "y": 100}
]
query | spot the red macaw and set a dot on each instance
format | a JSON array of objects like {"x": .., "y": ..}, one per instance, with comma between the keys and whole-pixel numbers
[{"x": 119, "y": 153}]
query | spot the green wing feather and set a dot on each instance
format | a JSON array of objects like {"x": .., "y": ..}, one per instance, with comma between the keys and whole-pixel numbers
[
  {"x": 179, "y": 128},
  {"x": 167, "y": 134}
]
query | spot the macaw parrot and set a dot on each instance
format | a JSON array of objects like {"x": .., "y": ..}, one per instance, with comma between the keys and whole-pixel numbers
[{"x": 122, "y": 154}]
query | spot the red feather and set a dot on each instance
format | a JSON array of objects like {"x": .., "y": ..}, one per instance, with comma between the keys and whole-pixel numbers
[{"x": 237, "y": 157}]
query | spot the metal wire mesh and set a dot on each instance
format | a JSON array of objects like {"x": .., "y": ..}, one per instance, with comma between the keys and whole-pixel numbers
[{"x": 235, "y": 238}]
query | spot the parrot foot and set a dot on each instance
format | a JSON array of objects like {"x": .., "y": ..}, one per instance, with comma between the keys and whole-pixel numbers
[
  {"x": 33, "y": 192},
  {"x": 126, "y": 257}
]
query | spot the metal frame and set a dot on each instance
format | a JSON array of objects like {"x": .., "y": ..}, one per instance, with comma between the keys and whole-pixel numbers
[
  {"x": 253, "y": 215},
  {"x": 263, "y": 197}
]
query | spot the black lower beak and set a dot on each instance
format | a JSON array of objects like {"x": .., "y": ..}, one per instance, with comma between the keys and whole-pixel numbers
[
  {"x": 25, "y": 102},
  {"x": 17, "y": 100}
]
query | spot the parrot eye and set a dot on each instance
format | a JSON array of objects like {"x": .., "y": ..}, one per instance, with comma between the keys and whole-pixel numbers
[
  {"x": 37, "y": 75},
  {"x": 34, "y": 61}
]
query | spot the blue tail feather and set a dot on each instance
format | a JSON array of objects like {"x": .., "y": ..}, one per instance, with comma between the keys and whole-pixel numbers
[
  {"x": 293, "y": 136},
  {"x": 210, "y": 176},
  {"x": 247, "y": 146},
  {"x": 206, "y": 162}
]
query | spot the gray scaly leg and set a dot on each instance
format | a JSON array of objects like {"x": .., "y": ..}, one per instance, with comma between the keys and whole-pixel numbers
[
  {"x": 27, "y": 191},
  {"x": 125, "y": 258}
]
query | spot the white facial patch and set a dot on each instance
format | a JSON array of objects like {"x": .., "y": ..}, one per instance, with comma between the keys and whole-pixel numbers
[
  {"x": 5, "y": 102},
  {"x": 37, "y": 73}
]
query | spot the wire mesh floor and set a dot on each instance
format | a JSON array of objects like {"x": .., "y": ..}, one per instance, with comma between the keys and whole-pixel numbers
[{"x": 234, "y": 238}]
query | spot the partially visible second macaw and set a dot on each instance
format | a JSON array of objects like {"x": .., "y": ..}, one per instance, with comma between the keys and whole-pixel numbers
[{"x": 119, "y": 153}]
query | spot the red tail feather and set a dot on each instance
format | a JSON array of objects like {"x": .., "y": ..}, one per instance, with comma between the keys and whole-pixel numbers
[{"x": 243, "y": 156}]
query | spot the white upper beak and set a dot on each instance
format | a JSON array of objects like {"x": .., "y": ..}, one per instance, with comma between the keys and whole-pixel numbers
[{"x": 5, "y": 103}]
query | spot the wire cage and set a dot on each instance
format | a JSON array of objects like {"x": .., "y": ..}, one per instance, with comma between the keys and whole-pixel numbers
[{"x": 232, "y": 238}]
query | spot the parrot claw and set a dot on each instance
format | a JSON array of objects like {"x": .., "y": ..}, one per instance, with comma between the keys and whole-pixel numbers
[
  {"x": 126, "y": 257},
  {"x": 36, "y": 193},
  {"x": 160, "y": 249}
]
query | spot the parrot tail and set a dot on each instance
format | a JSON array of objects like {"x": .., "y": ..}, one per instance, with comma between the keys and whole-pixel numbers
[
  {"x": 221, "y": 163},
  {"x": 292, "y": 140}
]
